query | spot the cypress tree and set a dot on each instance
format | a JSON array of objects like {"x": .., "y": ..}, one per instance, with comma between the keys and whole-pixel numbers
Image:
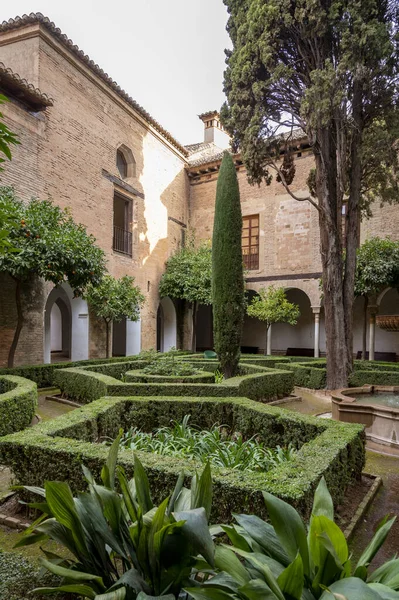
[{"x": 227, "y": 269}]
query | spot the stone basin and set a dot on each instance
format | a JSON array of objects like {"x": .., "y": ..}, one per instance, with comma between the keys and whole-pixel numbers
[{"x": 363, "y": 405}]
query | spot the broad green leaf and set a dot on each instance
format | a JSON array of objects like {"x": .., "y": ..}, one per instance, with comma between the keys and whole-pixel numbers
[
  {"x": 204, "y": 593},
  {"x": 223, "y": 581},
  {"x": 70, "y": 573},
  {"x": 291, "y": 580},
  {"x": 350, "y": 589},
  {"x": 108, "y": 470},
  {"x": 82, "y": 590},
  {"x": 388, "y": 574},
  {"x": 289, "y": 528},
  {"x": 119, "y": 594},
  {"x": 127, "y": 495},
  {"x": 144, "y": 596},
  {"x": 375, "y": 544},
  {"x": 226, "y": 560},
  {"x": 256, "y": 559},
  {"x": 196, "y": 530},
  {"x": 183, "y": 501},
  {"x": 132, "y": 579},
  {"x": 176, "y": 493},
  {"x": 235, "y": 538},
  {"x": 322, "y": 502},
  {"x": 384, "y": 591},
  {"x": 28, "y": 540},
  {"x": 142, "y": 486},
  {"x": 264, "y": 535},
  {"x": 257, "y": 589},
  {"x": 201, "y": 496},
  {"x": 259, "y": 562},
  {"x": 319, "y": 525},
  {"x": 60, "y": 500},
  {"x": 112, "y": 506}
]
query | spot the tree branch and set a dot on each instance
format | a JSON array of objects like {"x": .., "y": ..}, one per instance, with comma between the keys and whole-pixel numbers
[{"x": 287, "y": 188}]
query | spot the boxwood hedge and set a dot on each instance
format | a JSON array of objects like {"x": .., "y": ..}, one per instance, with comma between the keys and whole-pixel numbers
[
  {"x": 373, "y": 377},
  {"x": 18, "y": 402},
  {"x": 310, "y": 374},
  {"x": 54, "y": 450},
  {"x": 256, "y": 383}
]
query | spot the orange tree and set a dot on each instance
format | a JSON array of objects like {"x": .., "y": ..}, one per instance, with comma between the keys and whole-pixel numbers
[{"x": 49, "y": 245}]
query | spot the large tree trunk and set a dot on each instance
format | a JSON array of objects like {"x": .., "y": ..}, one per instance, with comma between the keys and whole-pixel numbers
[
  {"x": 364, "y": 336},
  {"x": 20, "y": 323},
  {"x": 194, "y": 327},
  {"x": 329, "y": 195}
]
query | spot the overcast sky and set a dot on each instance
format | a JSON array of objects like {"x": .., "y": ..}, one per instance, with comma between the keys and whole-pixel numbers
[{"x": 167, "y": 54}]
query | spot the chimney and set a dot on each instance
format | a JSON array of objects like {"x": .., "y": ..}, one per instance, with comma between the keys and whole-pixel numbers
[{"x": 214, "y": 131}]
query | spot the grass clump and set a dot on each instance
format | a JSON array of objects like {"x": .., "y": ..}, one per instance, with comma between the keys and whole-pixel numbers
[{"x": 218, "y": 446}]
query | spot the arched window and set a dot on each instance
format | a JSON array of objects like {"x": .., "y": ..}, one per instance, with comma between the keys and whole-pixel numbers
[
  {"x": 121, "y": 164},
  {"x": 125, "y": 162}
]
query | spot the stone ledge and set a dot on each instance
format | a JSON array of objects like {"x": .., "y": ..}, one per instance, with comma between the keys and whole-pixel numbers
[{"x": 363, "y": 506}]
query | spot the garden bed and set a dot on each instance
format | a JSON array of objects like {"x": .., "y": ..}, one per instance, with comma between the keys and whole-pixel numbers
[
  {"x": 55, "y": 450},
  {"x": 18, "y": 402}
]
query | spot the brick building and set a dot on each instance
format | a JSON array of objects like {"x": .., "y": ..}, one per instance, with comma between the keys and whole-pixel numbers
[{"x": 89, "y": 146}]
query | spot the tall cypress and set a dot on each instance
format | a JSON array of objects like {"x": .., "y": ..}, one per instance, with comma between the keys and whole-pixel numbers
[{"x": 227, "y": 269}]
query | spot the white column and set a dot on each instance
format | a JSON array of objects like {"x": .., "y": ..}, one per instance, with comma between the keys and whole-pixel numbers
[
  {"x": 269, "y": 341},
  {"x": 373, "y": 311},
  {"x": 133, "y": 337},
  {"x": 316, "y": 312}
]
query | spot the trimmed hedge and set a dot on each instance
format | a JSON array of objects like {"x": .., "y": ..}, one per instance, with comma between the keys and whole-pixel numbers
[
  {"x": 54, "y": 450},
  {"x": 373, "y": 365},
  {"x": 263, "y": 384},
  {"x": 313, "y": 377},
  {"x": 140, "y": 377},
  {"x": 18, "y": 402},
  {"x": 43, "y": 375},
  {"x": 359, "y": 378}
]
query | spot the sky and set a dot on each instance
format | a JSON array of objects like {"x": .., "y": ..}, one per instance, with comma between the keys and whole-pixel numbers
[{"x": 167, "y": 54}]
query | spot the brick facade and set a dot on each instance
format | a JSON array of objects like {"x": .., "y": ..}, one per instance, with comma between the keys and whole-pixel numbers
[{"x": 68, "y": 153}]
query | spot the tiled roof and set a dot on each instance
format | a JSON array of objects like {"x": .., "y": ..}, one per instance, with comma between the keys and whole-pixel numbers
[
  {"x": 203, "y": 153},
  {"x": 38, "y": 18},
  {"x": 22, "y": 89}
]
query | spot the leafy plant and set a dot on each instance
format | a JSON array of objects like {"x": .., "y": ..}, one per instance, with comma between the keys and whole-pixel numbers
[
  {"x": 188, "y": 277},
  {"x": 115, "y": 299},
  {"x": 50, "y": 245},
  {"x": 168, "y": 365},
  {"x": 217, "y": 446},
  {"x": 271, "y": 306},
  {"x": 121, "y": 545},
  {"x": 219, "y": 377},
  {"x": 7, "y": 137},
  {"x": 284, "y": 561}
]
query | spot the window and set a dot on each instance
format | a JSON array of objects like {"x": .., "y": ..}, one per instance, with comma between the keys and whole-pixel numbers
[
  {"x": 121, "y": 164},
  {"x": 250, "y": 242},
  {"x": 125, "y": 162},
  {"x": 122, "y": 241}
]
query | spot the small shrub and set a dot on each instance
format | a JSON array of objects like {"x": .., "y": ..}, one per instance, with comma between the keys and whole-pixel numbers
[
  {"x": 219, "y": 446},
  {"x": 170, "y": 366}
]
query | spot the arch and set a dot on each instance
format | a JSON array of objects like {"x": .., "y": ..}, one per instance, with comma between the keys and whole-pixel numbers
[
  {"x": 126, "y": 338},
  {"x": 166, "y": 325},
  {"x": 75, "y": 327},
  {"x": 57, "y": 325},
  {"x": 381, "y": 297},
  {"x": 125, "y": 162}
]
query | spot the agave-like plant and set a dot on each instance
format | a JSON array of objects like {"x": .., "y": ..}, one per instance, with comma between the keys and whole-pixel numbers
[
  {"x": 284, "y": 561},
  {"x": 120, "y": 546}
]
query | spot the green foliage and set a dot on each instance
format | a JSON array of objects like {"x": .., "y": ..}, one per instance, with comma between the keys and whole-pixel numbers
[
  {"x": 7, "y": 138},
  {"x": 366, "y": 376},
  {"x": 50, "y": 244},
  {"x": 218, "y": 446},
  {"x": 114, "y": 299},
  {"x": 323, "y": 67},
  {"x": 169, "y": 366},
  {"x": 271, "y": 306},
  {"x": 121, "y": 544},
  {"x": 377, "y": 266},
  {"x": 88, "y": 384},
  {"x": 310, "y": 374},
  {"x": 18, "y": 403},
  {"x": 188, "y": 274},
  {"x": 54, "y": 450},
  {"x": 285, "y": 561},
  {"x": 227, "y": 269}
]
